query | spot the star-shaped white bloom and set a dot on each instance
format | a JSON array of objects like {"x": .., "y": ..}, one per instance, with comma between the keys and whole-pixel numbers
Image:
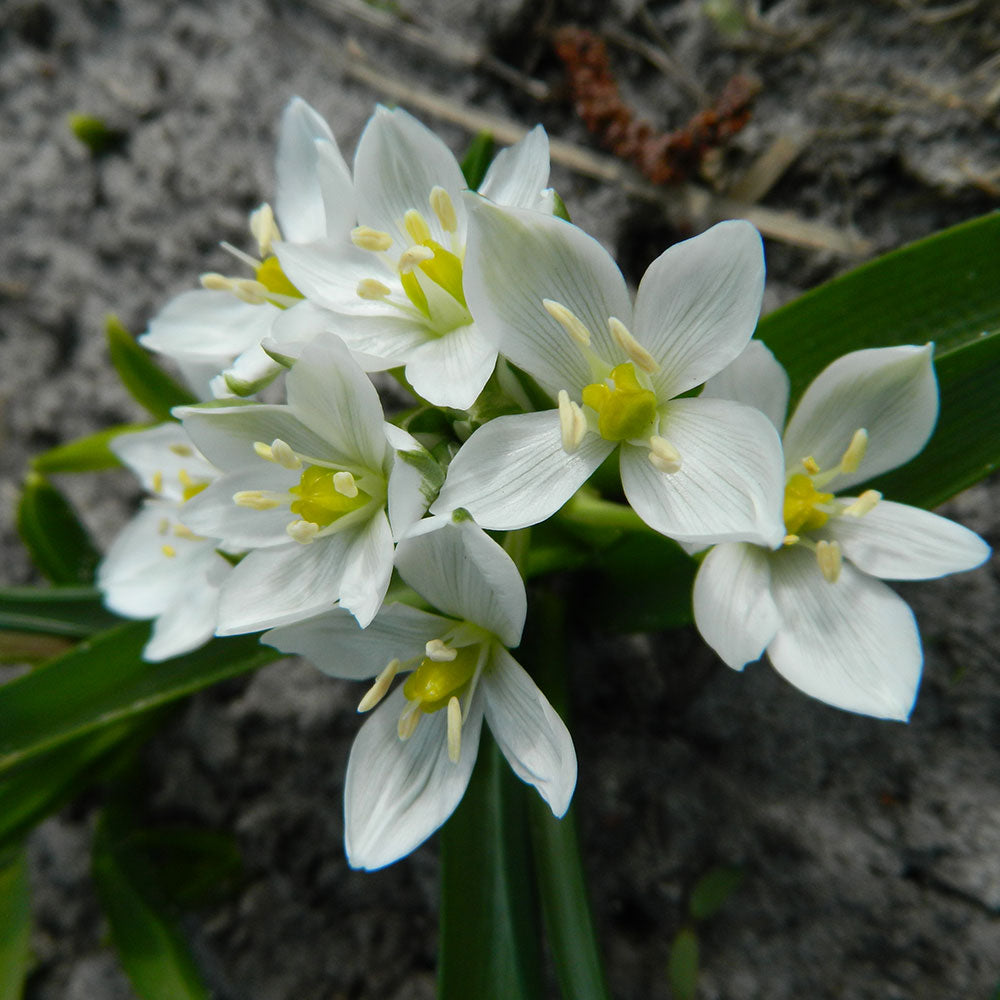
[
  {"x": 305, "y": 493},
  {"x": 554, "y": 303},
  {"x": 220, "y": 327},
  {"x": 396, "y": 284},
  {"x": 817, "y": 605},
  {"x": 158, "y": 567},
  {"x": 411, "y": 761}
]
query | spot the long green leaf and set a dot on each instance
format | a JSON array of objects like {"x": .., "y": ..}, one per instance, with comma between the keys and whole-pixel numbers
[
  {"x": 477, "y": 159},
  {"x": 74, "y": 612},
  {"x": 489, "y": 938},
  {"x": 15, "y": 925},
  {"x": 151, "y": 948},
  {"x": 105, "y": 680},
  {"x": 86, "y": 454},
  {"x": 59, "y": 544},
  {"x": 149, "y": 385}
]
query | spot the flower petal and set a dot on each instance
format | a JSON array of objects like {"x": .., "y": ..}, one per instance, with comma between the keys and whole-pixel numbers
[
  {"x": 464, "y": 573},
  {"x": 897, "y": 542},
  {"x": 733, "y": 607},
  {"x": 519, "y": 174},
  {"x": 853, "y": 644},
  {"x": 367, "y": 568},
  {"x": 891, "y": 392},
  {"x": 451, "y": 370},
  {"x": 414, "y": 480},
  {"x": 698, "y": 304},
  {"x": 528, "y": 731},
  {"x": 756, "y": 378},
  {"x": 337, "y": 189},
  {"x": 514, "y": 472},
  {"x": 730, "y": 484},
  {"x": 336, "y": 644},
  {"x": 398, "y": 793},
  {"x": 517, "y": 258},
  {"x": 159, "y": 456}
]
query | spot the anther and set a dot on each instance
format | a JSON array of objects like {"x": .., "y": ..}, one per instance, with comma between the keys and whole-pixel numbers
[
  {"x": 437, "y": 651},
  {"x": 664, "y": 455},
  {"x": 366, "y": 238},
  {"x": 409, "y": 259},
  {"x": 157, "y": 482},
  {"x": 865, "y": 503},
  {"x": 169, "y": 551},
  {"x": 164, "y": 525},
  {"x": 248, "y": 290},
  {"x": 830, "y": 559},
  {"x": 282, "y": 453},
  {"x": 183, "y": 450},
  {"x": 443, "y": 208},
  {"x": 454, "y": 729},
  {"x": 370, "y": 288},
  {"x": 256, "y": 500},
  {"x": 182, "y": 531},
  {"x": 264, "y": 228},
  {"x": 790, "y": 540},
  {"x": 855, "y": 451},
  {"x": 416, "y": 226},
  {"x": 345, "y": 484},
  {"x": 216, "y": 282},
  {"x": 572, "y": 423},
  {"x": 810, "y": 465},
  {"x": 408, "y": 720},
  {"x": 302, "y": 532},
  {"x": 634, "y": 351},
  {"x": 569, "y": 321},
  {"x": 382, "y": 684}
]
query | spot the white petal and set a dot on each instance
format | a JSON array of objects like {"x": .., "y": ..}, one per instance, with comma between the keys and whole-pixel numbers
[
  {"x": 336, "y": 644},
  {"x": 250, "y": 372},
  {"x": 898, "y": 542},
  {"x": 398, "y": 163},
  {"x": 159, "y": 455},
  {"x": 513, "y": 471},
  {"x": 517, "y": 258},
  {"x": 298, "y": 201},
  {"x": 730, "y": 484},
  {"x": 698, "y": 304},
  {"x": 891, "y": 392},
  {"x": 733, "y": 607},
  {"x": 284, "y": 584},
  {"x": 519, "y": 174},
  {"x": 367, "y": 568},
  {"x": 529, "y": 732},
  {"x": 337, "y": 189},
  {"x": 464, "y": 573},
  {"x": 451, "y": 370},
  {"x": 334, "y": 398},
  {"x": 414, "y": 480},
  {"x": 398, "y": 793},
  {"x": 853, "y": 644},
  {"x": 756, "y": 378}
]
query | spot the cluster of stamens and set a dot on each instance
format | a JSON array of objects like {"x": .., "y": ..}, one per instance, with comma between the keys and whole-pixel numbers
[{"x": 190, "y": 487}]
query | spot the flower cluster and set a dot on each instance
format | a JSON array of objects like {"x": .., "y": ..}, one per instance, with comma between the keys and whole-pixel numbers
[{"x": 517, "y": 333}]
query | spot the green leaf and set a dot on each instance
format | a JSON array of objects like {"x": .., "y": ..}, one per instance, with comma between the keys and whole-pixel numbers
[
  {"x": 86, "y": 454},
  {"x": 489, "y": 942},
  {"x": 151, "y": 948},
  {"x": 712, "y": 890},
  {"x": 15, "y": 921},
  {"x": 58, "y": 543},
  {"x": 682, "y": 966},
  {"x": 74, "y": 612},
  {"x": 105, "y": 680},
  {"x": 559, "y": 209},
  {"x": 477, "y": 159},
  {"x": 99, "y": 137},
  {"x": 145, "y": 380}
]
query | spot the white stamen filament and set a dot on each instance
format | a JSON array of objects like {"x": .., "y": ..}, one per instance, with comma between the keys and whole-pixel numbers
[
  {"x": 454, "y": 729},
  {"x": 408, "y": 720},
  {"x": 371, "y": 289},
  {"x": 569, "y": 321},
  {"x": 572, "y": 423},
  {"x": 664, "y": 455},
  {"x": 381, "y": 686},
  {"x": 257, "y": 499},
  {"x": 863, "y": 505},
  {"x": 437, "y": 651},
  {"x": 302, "y": 532},
  {"x": 345, "y": 484},
  {"x": 444, "y": 209},
  {"x": 635, "y": 352},
  {"x": 366, "y": 238},
  {"x": 830, "y": 559},
  {"x": 409, "y": 259},
  {"x": 244, "y": 258},
  {"x": 264, "y": 228},
  {"x": 416, "y": 226}
]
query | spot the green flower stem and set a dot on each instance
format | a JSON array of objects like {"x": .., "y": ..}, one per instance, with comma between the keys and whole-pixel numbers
[{"x": 587, "y": 509}]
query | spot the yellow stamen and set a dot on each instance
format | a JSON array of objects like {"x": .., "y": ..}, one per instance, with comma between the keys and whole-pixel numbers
[
  {"x": 254, "y": 293},
  {"x": 381, "y": 686},
  {"x": 366, "y": 238},
  {"x": 264, "y": 228},
  {"x": 182, "y": 450},
  {"x": 191, "y": 487},
  {"x": 572, "y": 423},
  {"x": 863, "y": 505},
  {"x": 216, "y": 282},
  {"x": 408, "y": 721},
  {"x": 320, "y": 503},
  {"x": 302, "y": 532},
  {"x": 624, "y": 411},
  {"x": 454, "y": 729},
  {"x": 569, "y": 321},
  {"x": 411, "y": 258},
  {"x": 790, "y": 540},
  {"x": 830, "y": 559},
  {"x": 345, "y": 484},
  {"x": 434, "y": 681},
  {"x": 182, "y": 531},
  {"x": 279, "y": 452},
  {"x": 371, "y": 289},
  {"x": 164, "y": 526},
  {"x": 416, "y": 226},
  {"x": 256, "y": 499},
  {"x": 169, "y": 551},
  {"x": 855, "y": 451},
  {"x": 437, "y": 651},
  {"x": 810, "y": 465},
  {"x": 157, "y": 482},
  {"x": 443, "y": 208},
  {"x": 664, "y": 455},
  {"x": 633, "y": 350}
]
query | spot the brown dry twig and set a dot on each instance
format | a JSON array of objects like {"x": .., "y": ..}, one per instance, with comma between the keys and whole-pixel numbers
[{"x": 662, "y": 157}]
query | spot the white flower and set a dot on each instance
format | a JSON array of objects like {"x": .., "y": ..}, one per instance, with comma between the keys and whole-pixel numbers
[
  {"x": 829, "y": 625},
  {"x": 411, "y": 761},
  {"x": 305, "y": 491},
  {"x": 555, "y": 304},
  {"x": 158, "y": 567},
  {"x": 397, "y": 283},
  {"x": 220, "y": 327}
]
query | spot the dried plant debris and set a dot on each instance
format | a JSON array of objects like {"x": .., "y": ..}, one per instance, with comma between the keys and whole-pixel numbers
[{"x": 662, "y": 157}]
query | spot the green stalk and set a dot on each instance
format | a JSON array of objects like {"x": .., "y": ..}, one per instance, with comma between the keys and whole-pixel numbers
[{"x": 587, "y": 509}]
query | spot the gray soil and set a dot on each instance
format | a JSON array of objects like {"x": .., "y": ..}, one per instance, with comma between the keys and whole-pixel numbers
[{"x": 871, "y": 850}]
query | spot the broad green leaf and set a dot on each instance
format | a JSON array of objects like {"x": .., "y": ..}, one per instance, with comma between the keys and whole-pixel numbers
[
  {"x": 31, "y": 647},
  {"x": 15, "y": 925},
  {"x": 149, "y": 385},
  {"x": 682, "y": 966},
  {"x": 477, "y": 159},
  {"x": 58, "y": 543},
  {"x": 712, "y": 890},
  {"x": 151, "y": 948},
  {"x": 105, "y": 680},
  {"x": 489, "y": 937},
  {"x": 73, "y": 612},
  {"x": 86, "y": 454}
]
